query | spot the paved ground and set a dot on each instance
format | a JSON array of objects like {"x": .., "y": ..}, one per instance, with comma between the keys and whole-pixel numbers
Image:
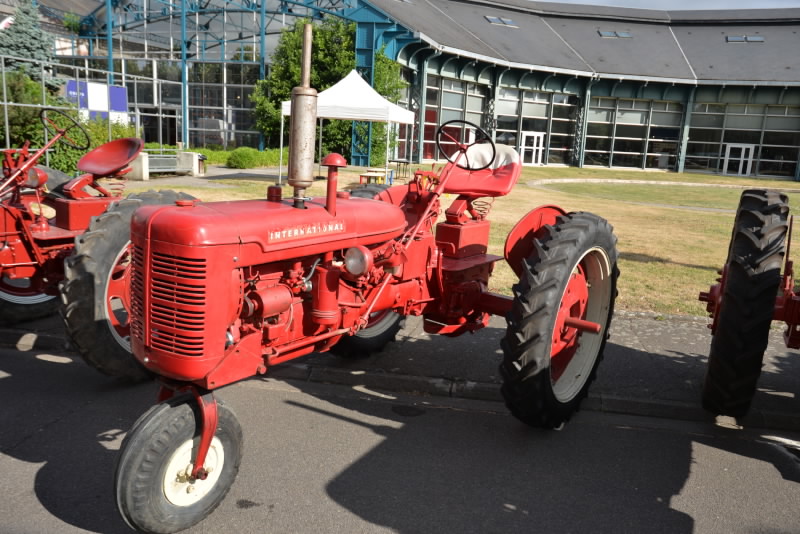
[{"x": 653, "y": 366}]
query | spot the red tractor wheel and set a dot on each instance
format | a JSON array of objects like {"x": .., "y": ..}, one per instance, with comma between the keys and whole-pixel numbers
[
  {"x": 21, "y": 301},
  {"x": 383, "y": 326},
  {"x": 95, "y": 293},
  {"x": 744, "y": 314},
  {"x": 154, "y": 488},
  {"x": 558, "y": 325},
  {"x": 25, "y": 299}
]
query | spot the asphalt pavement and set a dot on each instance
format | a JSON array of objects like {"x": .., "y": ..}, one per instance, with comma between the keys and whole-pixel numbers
[{"x": 653, "y": 366}]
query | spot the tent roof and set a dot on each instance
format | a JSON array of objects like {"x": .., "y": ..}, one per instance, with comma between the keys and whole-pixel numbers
[{"x": 352, "y": 98}]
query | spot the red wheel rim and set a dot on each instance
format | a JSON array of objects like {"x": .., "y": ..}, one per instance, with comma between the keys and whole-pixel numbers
[
  {"x": 117, "y": 296},
  {"x": 566, "y": 338}
]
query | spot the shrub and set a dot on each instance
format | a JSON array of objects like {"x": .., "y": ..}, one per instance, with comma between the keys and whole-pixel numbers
[
  {"x": 249, "y": 158},
  {"x": 243, "y": 158}
]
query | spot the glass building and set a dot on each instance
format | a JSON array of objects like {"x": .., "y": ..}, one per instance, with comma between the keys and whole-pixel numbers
[{"x": 708, "y": 91}]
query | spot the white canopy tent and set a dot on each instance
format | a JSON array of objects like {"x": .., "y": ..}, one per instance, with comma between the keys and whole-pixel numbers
[{"x": 352, "y": 98}]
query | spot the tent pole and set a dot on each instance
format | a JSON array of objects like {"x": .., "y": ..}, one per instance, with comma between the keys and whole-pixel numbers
[
  {"x": 386, "y": 162},
  {"x": 280, "y": 156},
  {"x": 319, "y": 153}
]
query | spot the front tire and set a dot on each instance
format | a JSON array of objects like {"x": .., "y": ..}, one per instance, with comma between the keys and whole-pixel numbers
[
  {"x": 751, "y": 283},
  {"x": 95, "y": 293},
  {"x": 152, "y": 489},
  {"x": 549, "y": 365}
]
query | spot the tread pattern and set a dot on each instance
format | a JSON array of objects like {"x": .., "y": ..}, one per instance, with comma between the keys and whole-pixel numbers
[
  {"x": 86, "y": 272},
  {"x": 527, "y": 386},
  {"x": 753, "y": 278}
]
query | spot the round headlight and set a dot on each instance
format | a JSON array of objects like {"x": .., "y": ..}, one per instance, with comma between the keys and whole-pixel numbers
[{"x": 358, "y": 260}]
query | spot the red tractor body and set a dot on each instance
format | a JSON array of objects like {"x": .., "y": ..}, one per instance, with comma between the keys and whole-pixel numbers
[{"x": 226, "y": 289}]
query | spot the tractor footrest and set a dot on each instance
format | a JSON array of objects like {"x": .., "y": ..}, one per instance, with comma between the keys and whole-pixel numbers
[{"x": 462, "y": 264}]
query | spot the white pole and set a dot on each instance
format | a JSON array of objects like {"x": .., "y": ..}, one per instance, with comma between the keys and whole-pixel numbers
[
  {"x": 386, "y": 162},
  {"x": 280, "y": 156},
  {"x": 319, "y": 154}
]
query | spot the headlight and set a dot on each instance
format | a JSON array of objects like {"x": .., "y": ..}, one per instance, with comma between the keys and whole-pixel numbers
[{"x": 358, "y": 260}]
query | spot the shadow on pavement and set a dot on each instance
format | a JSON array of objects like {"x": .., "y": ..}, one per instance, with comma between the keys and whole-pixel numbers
[{"x": 65, "y": 422}]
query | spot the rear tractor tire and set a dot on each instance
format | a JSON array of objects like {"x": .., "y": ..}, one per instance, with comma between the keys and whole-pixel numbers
[
  {"x": 95, "y": 293},
  {"x": 548, "y": 362},
  {"x": 751, "y": 284},
  {"x": 383, "y": 326}
]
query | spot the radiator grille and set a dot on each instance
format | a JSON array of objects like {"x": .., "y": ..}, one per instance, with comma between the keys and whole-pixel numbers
[{"x": 177, "y": 313}]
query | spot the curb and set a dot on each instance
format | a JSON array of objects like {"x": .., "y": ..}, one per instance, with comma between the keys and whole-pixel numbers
[
  {"x": 449, "y": 387},
  {"x": 486, "y": 391}
]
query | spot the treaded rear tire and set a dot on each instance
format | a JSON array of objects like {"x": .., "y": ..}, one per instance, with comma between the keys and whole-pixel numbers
[
  {"x": 752, "y": 281},
  {"x": 97, "y": 259},
  {"x": 382, "y": 329},
  {"x": 578, "y": 252}
]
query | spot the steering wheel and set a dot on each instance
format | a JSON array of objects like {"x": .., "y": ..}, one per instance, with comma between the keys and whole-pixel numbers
[
  {"x": 50, "y": 124},
  {"x": 460, "y": 157}
]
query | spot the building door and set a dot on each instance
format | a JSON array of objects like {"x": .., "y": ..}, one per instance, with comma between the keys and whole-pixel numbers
[
  {"x": 738, "y": 159},
  {"x": 531, "y": 149}
]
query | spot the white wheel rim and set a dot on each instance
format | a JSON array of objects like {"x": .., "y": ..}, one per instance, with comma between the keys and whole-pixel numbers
[
  {"x": 598, "y": 276},
  {"x": 179, "y": 488},
  {"x": 22, "y": 299}
]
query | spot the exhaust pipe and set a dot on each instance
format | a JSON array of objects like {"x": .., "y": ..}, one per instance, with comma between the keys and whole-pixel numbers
[{"x": 304, "y": 127}]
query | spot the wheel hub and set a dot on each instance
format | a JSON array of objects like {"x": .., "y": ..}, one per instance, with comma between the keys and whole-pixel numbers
[
  {"x": 565, "y": 337},
  {"x": 180, "y": 487}
]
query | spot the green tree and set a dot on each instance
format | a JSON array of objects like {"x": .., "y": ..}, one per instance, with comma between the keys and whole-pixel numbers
[
  {"x": 25, "y": 39},
  {"x": 23, "y": 122},
  {"x": 332, "y": 57},
  {"x": 389, "y": 82}
]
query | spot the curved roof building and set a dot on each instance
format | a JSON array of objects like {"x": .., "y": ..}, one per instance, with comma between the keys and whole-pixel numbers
[{"x": 715, "y": 91}]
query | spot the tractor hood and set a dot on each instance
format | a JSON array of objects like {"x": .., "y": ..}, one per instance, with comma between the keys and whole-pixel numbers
[{"x": 271, "y": 226}]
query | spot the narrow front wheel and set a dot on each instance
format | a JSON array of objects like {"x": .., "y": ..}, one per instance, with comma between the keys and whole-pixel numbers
[{"x": 154, "y": 487}]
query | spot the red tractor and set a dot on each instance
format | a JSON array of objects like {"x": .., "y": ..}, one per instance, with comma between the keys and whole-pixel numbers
[
  {"x": 750, "y": 293},
  {"x": 74, "y": 233},
  {"x": 223, "y": 291}
]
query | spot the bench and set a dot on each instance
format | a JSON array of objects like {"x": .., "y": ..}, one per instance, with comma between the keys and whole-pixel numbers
[
  {"x": 168, "y": 164},
  {"x": 146, "y": 164}
]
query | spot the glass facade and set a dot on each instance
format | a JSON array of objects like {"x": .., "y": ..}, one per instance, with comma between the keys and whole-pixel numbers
[
  {"x": 445, "y": 100},
  {"x": 624, "y": 132},
  {"x": 220, "y": 109},
  {"x": 766, "y": 137},
  {"x": 636, "y": 133}
]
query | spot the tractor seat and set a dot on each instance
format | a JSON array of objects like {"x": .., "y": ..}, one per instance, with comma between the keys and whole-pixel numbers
[
  {"x": 494, "y": 181},
  {"x": 111, "y": 157}
]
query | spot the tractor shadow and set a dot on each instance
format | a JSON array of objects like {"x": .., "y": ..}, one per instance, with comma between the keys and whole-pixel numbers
[
  {"x": 647, "y": 258},
  {"x": 60, "y": 431},
  {"x": 439, "y": 469}
]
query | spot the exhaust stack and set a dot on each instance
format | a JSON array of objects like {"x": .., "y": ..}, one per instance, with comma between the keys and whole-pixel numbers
[{"x": 303, "y": 129}]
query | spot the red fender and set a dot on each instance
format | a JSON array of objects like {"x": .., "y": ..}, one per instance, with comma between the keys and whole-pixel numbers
[{"x": 519, "y": 243}]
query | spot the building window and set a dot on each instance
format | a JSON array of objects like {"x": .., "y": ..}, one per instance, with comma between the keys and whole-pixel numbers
[{"x": 633, "y": 133}]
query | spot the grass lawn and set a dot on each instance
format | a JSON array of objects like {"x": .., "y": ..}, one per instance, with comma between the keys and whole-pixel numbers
[{"x": 672, "y": 238}]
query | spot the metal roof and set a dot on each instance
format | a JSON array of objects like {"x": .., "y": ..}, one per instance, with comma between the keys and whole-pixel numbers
[{"x": 681, "y": 46}]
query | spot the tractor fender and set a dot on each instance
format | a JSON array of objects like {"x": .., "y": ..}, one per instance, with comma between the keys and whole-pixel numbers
[{"x": 520, "y": 240}]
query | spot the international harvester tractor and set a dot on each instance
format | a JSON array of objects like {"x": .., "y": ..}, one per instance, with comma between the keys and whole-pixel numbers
[
  {"x": 69, "y": 237},
  {"x": 223, "y": 291},
  {"x": 750, "y": 293}
]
